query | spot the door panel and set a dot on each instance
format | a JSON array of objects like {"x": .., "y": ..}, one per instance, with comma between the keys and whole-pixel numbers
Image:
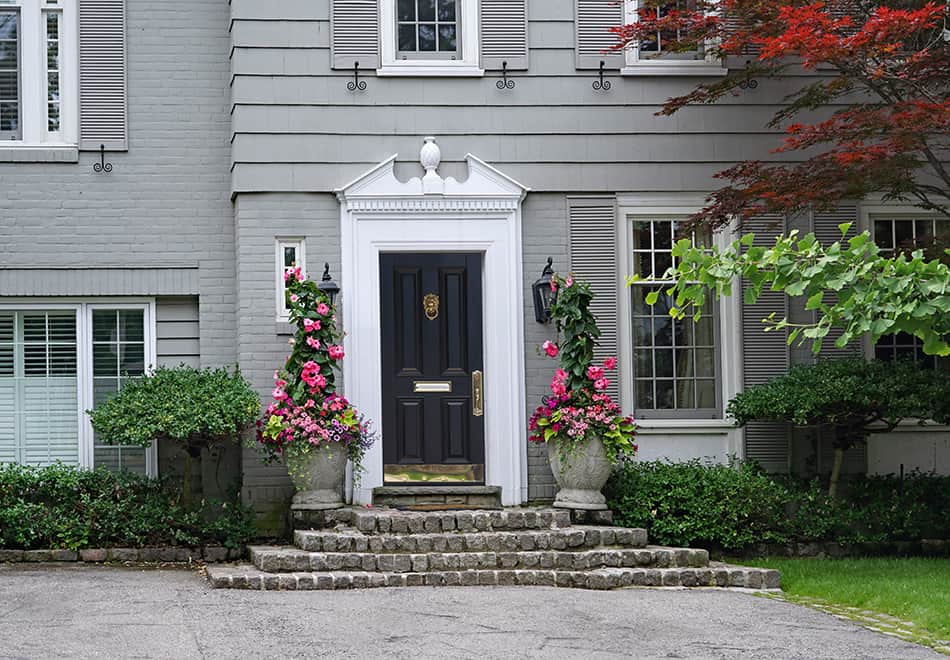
[{"x": 431, "y": 308}]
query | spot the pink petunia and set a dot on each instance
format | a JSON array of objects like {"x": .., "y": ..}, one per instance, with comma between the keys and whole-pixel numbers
[
  {"x": 550, "y": 348},
  {"x": 335, "y": 352},
  {"x": 568, "y": 281},
  {"x": 310, "y": 325},
  {"x": 294, "y": 297},
  {"x": 595, "y": 373},
  {"x": 314, "y": 343},
  {"x": 601, "y": 384},
  {"x": 610, "y": 363},
  {"x": 323, "y": 309}
]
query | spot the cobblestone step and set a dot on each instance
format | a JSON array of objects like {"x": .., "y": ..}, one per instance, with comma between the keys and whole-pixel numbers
[
  {"x": 383, "y": 521},
  {"x": 274, "y": 559},
  {"x": 720, "y": 575},
  {"x": 352, "y": 540}
]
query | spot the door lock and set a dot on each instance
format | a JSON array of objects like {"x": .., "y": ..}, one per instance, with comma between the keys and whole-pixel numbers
[{"x": 478, "y": 404}]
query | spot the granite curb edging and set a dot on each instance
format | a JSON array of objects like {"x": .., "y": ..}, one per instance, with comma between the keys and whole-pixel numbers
[{"x": 168, "y": 554}]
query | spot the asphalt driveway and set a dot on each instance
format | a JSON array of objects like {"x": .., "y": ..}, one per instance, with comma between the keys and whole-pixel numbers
[{"x": 87, "y": 611}]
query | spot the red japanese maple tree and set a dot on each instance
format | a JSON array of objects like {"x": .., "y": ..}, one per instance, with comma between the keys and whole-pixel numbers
[{"x": 885, "y": 66}]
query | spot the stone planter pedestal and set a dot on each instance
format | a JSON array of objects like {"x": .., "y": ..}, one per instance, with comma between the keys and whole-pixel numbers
[
  {"x": 581, "y": 476},
  {"x": 318, "y": 477}
]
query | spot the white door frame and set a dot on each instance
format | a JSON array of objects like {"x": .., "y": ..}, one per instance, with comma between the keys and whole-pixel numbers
[{"x": 381, "y": 214}]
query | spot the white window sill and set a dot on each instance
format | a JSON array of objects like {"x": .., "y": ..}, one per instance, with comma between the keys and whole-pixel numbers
[
  {"x": 38, "y": 153},
  {"x": 658, "y": 68},
  {"x": 446, "y": 69},
  {"x": 716, "y": 426}
]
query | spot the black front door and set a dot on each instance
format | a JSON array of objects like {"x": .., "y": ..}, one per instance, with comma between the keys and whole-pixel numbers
[{"x": 433, "y": 428}]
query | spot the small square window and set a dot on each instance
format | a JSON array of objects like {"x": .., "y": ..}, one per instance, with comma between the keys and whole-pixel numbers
[{"x": 427, "y": 29}]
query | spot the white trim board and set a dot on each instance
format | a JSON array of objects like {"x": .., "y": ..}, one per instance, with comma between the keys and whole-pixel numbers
[{"x": 381, "y": 214}]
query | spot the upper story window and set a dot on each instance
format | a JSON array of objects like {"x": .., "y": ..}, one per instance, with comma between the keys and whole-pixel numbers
[
  {"x": 892, "y": 235},
  {"x": 652, "y": 55},
  {"x": 428, "y": 29},
  {"x": 675, "y": 363},
  {"x": 429, "y": 37},
  {"x": 38, "y": 103}
]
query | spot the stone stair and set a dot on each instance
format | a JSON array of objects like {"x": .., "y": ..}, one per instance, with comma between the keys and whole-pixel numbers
[{"x": 363, "y": 548}]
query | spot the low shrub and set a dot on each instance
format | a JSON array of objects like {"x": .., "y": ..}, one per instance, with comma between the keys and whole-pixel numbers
[
  {"x": 65, "y": 507},
  {"x": 733, "y": 507}
]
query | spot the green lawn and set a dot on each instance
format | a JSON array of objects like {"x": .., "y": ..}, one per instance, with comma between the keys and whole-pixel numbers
[{"x": 916, "y": 591}]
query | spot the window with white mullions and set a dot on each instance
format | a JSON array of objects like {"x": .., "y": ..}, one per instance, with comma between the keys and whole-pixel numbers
[
  {"x": 10, "y": 106},
  {"x": 39, "y": 393},
  {"x": 675, "y": 362},
  {"x": 290, "y": 254},
  {"x": 893, "y": 235},
  {"x": 427, "y": 29},
  {"x": 118, "y": 355},
  {"x": 53, "y": 71},
  {"x": 658, "y": 45},
  {"x": 38, "y": 72}
]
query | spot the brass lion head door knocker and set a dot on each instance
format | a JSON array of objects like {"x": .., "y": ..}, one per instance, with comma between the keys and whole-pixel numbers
[{"x": 430, "y": 305}]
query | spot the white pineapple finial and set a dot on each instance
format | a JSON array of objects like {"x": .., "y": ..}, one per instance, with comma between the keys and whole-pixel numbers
[{"x": 431, "y": 157}]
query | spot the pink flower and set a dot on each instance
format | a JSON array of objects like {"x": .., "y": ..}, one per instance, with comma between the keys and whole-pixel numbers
[
  {"x": 335, "y": 352},
  {"x": 309, "y": 404},
  {"x": 279, "y": 394},
  {"x": 610, "y": 363},
  {"x": 322, "y": 309},
  {"x": 550, "y": 348},
  {"x": 568, "y": 281},
  {"x": 557, "y": 386},
  {"x": 310, "y": 326},
  {"x": 601, "y": 384},
  {"x": 313, "y": 343},
  {"x": 294, "y": 297},
  {"x": 561, "y": 374},
  {"x": 595, "y": 373},
  {"x": 554, "y": 283}
]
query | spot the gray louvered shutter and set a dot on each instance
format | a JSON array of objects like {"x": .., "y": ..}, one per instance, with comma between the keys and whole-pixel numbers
[
  {"x": 827, "y": 232},
  {"x": 354, "y": 25},
  {"x": 765, "y": 355},
  {"x": 593, "y": 241},
  {"x": 593, "y": 20},
  {"x": 103, "y": 95},
  {"x": 504, "y": 34}
]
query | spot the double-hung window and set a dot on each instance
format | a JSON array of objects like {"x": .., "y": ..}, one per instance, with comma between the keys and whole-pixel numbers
[
  {"x": 428, "y": 29},
  {"x": 429, "y": 37},
  {"x": 652, "y": 56},
  {"x": 38, "y": 72},
  {"x": 56, "y": 362},
  {"x": 892, "y": 235},
  {"x": 675, "y": 362}
]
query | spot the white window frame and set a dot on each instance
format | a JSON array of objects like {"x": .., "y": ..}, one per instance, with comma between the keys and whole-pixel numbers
[
  {"x": 650, "y": 207},
  {"x": 83, "y": 310},
  {"x": 300, "y": 244},
  {"x": 658, "y": 66},
  {"x": 34, "y": 133},
  {"x": 468, "y": 34}
]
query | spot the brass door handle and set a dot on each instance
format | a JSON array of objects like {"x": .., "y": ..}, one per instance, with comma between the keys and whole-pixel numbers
[{"x": 478, "y": 403}]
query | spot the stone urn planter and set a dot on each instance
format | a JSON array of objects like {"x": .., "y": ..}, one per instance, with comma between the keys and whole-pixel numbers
[
  {"x": 581, "y": 476},
  {"x": 318, "y": 477}
]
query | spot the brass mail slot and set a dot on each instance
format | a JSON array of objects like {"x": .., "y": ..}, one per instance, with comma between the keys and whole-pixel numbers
[{"x": 432, "y": 386}]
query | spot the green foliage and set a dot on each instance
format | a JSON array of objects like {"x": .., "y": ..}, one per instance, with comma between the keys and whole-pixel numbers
[
  {"x": 682, "y": 504},
  {"x": 192, "y": 406},
  {"x": 849, "y": 396},
  {"x": 66, "y": 507},
  {"x": 733, "y": 508},
  {"x": 577, "y": 328},
  {"x": 872, "y": 294}
]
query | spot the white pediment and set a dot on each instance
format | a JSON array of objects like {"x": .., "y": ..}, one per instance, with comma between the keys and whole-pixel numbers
[{"x": 432, "y": 192}]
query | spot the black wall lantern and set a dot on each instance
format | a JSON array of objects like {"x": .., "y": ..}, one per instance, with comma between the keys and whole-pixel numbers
[
  {"x": 544, "y": 294},
  {"x": 327, "y": 285}
]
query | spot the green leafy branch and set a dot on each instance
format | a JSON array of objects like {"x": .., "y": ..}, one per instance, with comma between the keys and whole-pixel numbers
[{"x": 849, "y": 285}]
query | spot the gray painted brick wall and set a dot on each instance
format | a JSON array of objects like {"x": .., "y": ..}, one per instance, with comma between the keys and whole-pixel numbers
[{"x": 167, "y": 200}]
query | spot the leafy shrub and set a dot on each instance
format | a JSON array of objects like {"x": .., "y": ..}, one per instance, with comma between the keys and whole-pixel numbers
[
  {"x": 733, "y": 507},
  {"x": 193, "y": 406},
  {"x": 66, "y": 507}
]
